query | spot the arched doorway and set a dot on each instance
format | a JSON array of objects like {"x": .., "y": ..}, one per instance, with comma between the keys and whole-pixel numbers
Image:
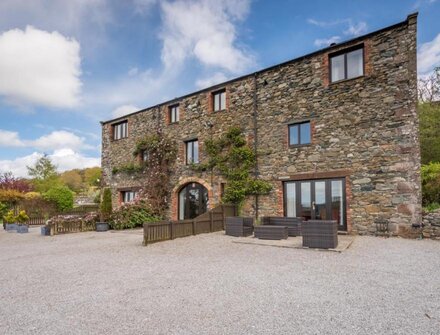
[{"x": 193, "y": 201}]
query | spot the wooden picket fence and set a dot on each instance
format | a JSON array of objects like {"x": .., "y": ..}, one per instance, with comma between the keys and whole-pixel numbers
[
  {"x": 211, "y": 221},
  {"x": 74, "y": 226},
  {"x": 40, "y": 219}
]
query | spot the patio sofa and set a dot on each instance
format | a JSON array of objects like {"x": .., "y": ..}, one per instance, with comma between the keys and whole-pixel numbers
[{"x": 292, "y": 223}]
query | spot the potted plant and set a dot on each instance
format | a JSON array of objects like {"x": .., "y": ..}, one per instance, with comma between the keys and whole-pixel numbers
[
  {"x": 3, "y": 211},
  {"x": 22, "y": 218},
  {"x": 105, "y": 210},
  {"x": 9, "y": 219}
]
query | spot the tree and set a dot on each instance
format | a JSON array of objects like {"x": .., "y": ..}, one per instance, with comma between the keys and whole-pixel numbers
[
  {"x": 429, "y": 87},
  {"x": 106, "y": 205},
  {"x": 73, "y": 180},
  {"x": 9, "y": 182},
  {"x": 44, "y": 174},
  {"x": 43, "y": 168},
  {"x": 429, "y": 113},
  {"x": 92, "y": 176},
  {"x": 61, "y": 196}
]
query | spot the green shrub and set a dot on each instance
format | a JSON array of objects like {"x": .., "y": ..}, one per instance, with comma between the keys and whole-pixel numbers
[
  {"x": 3, "y": 210},
  {"x": 9, "y": 217},
  {"x": 431, "y": 183},
  {"x": 106, "y": 204},
  {"x": 432, "y": 207},
  {"x": 61, "y": 196},
  {"x": 22, "y": 217},
  {"x": 132, "y": 215}
]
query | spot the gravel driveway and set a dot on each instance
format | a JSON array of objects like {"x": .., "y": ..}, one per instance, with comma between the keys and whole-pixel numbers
[{"x": 108, "y": 283}]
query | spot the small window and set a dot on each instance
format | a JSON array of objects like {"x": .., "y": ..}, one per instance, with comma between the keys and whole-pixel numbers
[
  {"x": 192, "y": 152},
  {"x": 299, "y": 133},
  {"x": 219, "y": 100},
  {"x": 128, "y": 196},
  {"x": 347, "y": 65},
  {"x": 174, "y": 113},
  {"x": 145, "y": 155},
  {"x": 120, "y": 130}
]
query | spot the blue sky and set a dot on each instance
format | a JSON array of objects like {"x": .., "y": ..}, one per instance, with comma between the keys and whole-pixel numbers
[{"x": 66, "y": 65}]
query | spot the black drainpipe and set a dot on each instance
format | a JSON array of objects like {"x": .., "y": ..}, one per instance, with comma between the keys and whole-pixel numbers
[
  {"x": 255, "y": 115},
  {"x": 158, "y": 120}
]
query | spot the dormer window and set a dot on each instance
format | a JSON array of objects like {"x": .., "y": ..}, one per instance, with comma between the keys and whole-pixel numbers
[
  {"x": 347, "y": 65},
  {"x": 120, "y": 130}
]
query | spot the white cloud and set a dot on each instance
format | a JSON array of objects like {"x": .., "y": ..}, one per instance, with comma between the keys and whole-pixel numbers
[
  {"x": 428, "y": 56},
  {"x": 60, "y": 139},
  {"x": 143, "y": 6},
  {"x": 205, "y": 30},
  {"x": 65, "y": 159},
  {"x": 10, "y": 139},
  {"x": 38, "y": 67},
  {"x": 124, "y": 110},
  {"x": 356, "y": 29},
  {"x": 87, "y": 20},
  {"x": 325, "y": 42},
  {"x": 353, "y": 29},
  {"x": 214, "y": 79},
  {"x": 55, "y": 140}
]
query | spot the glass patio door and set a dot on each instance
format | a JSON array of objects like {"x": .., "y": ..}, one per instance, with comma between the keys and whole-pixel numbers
[
  {"x": 193, "y": 201},
  {"x": 322, "y": 199}
]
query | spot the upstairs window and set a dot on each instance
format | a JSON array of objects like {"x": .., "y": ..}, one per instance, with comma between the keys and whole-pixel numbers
[
  {"x": 174, "y": 113},
  {"x": 120, "y": 130},
  {"x": 192, "y": 152},
  {"x": 128, "y": 196},
  {"x": 219, "y": 100},
  {"x": 347, "y": 65},
  {"x": 299, "y": 133}
]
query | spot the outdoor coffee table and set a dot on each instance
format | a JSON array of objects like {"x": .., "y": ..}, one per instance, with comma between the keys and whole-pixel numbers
[{"x": 267, "y": 232}]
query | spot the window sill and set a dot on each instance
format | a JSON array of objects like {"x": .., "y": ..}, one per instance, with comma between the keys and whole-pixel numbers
[
  {"x": 345, "y": 80},
  {"x": 119, "y": 139},
  {"x": 173, "y": 123},
  {"x": 294, "y": 146},
  {"x": 220, "y": 110}
]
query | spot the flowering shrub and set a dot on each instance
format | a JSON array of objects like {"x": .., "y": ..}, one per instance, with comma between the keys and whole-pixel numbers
[{"x": 132, "y": 215}]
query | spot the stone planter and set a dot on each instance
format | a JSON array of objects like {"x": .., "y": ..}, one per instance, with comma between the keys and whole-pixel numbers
[
  {"x": 22, "y": 229},
  {"x": 11, "y": 227},
  {"x": 102, "y": 226},
  {"x": 45, "y": 231}
]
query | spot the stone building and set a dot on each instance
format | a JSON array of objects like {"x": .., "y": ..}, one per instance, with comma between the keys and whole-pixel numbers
[{"x": 336, "y": 132}]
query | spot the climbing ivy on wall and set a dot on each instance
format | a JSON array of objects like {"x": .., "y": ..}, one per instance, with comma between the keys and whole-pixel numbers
[
  {"x": 231, "y": 157},
  {"x": 162, "y": 154}
]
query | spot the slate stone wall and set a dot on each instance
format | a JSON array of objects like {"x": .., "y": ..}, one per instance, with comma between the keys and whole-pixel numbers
[{"x": 364, "y": 130}]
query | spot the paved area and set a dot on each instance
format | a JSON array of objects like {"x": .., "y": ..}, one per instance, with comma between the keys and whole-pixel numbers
[
  {"x": 108, "y": 283},
  {"x": 344, "y": 242}
]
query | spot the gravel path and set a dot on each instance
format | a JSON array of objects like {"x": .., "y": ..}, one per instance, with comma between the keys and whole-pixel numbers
[{"x": 108, "y": 283}]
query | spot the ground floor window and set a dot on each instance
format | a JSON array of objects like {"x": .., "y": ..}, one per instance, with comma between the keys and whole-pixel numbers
[
  {"x": 128, "y": 196},
  {"x": 322, "y": 199},
  {"x": 193, "y": 201}
]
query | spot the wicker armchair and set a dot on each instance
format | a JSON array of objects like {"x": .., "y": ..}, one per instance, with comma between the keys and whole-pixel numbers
[
  {"x": 239, "y": 226},
  {"x": 321, "y": 234}
]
